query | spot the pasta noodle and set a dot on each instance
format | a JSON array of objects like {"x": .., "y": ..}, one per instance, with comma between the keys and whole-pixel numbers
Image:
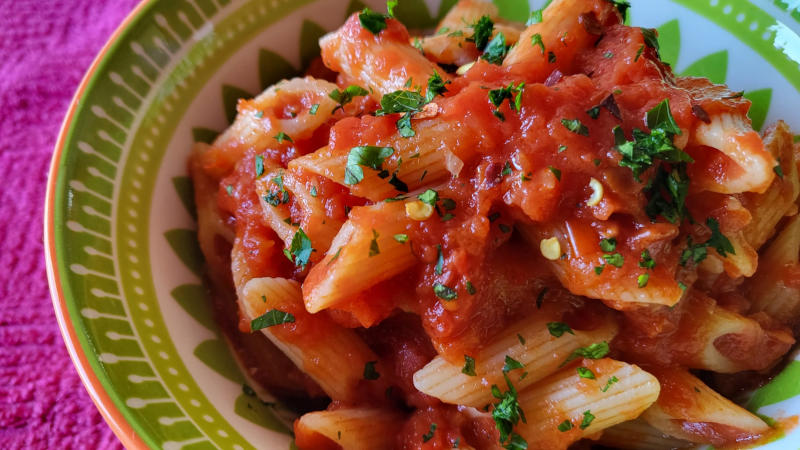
[{"x": 507, "y": 236}]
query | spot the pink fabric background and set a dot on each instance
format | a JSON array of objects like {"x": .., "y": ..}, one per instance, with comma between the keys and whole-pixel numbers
[{"x": 45, "y": 48}]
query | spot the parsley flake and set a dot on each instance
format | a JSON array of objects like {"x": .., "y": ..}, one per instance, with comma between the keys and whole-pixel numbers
[
  {"x": 616, "y": 260},
  {"x": 372, "y": 21},
  {"x": 585, "y": 372},
  {"x": 511, "y": 364},
  {"x": 536, "y": 39},
  {"x": 593, "y": 351},
  {"x": 778, "y": 170},
  {"x": 575, "y": 126},
  {"x": 610, "y": 381},
  {"x": 373, "y": 245},
  {"x": 280, "y": 137},
  {"x": 647, "y": 261},
  {"x": 565, "y": 426},
  {"x": 270, "y": 319},
  {"x": 534, "y": 17},
  {"x": 444, "y": 292},
  {"x": 300, "y": 249},
  {"x": 555, "y": 172},
  {"x": 401, "y": 238},
  {"x": 470, "y": 288},
  {"x": 314, "y": 108},
  {"x": 259, "y": 166},
  {"x": 557, "y": 329},
  {"x": 347, "y": 95},
  {"x": 439, "y": 267},
  {"x": 608, "y": 244},
  {"x": 429, "y": 196},
  {"x": 367, "y": 155},
  {"x": 469, "y": 366},
  {"x": 482, "y": 30},
  {"x": 511, "y": 92},
  {"x": 588, "y": 417},
  {"x": 429, "y": 435},
  {"x": 642, "y": 279},
  {"x": 507, "y": 412}
]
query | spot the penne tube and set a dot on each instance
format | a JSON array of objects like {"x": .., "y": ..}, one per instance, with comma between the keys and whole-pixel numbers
[
  {"x": 541, "y": 354},
  {"x": 427, "y": 159},
  {"x": 702, "y": 415},
  {"x": 449, "y": 45},
  {"x": 567, "y": 397},
  {"x": 731, "y": 134},
  {"x": 741, "y": 263},
  {"x": 348, "y": 428},
  {"x": 381, "y": 63},
  {"x": 768, "y": 290},
  {"x": 568, "y": 28},
  {"x": 639, "y": 435},
  {"x": 261, "y": 119},
  {"x": 333, "y": 356},
  {"x": 778, "y": 201},
  {"x": 362, "y": 254}
]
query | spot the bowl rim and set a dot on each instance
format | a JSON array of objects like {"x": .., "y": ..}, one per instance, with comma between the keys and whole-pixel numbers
[{"x": 124, "y": 431}]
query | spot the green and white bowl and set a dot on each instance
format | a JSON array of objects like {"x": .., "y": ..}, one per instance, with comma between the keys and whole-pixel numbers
[{"x": 123, "y": 263}]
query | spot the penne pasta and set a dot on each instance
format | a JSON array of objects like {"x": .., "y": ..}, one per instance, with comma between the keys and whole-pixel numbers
[
  {"x": 769, "y": 290},
  {"x": 348, "y": 429},
  {"x": 356, "y": 53},
  {"x": 568, "y": 27},
  {"x": 366, "y": 240},
  {"x": 702, "y": 416},
  {"x": 541, "y": 354},
  {"x": 566, "y": 397},
  {"x": 639, "y": 435},
  {"x": 283, "y": 108},
  {"x": 332, "y": 356}
]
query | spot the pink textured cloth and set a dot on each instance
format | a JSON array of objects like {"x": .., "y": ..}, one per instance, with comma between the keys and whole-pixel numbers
[{"x": 45, "y": 48}]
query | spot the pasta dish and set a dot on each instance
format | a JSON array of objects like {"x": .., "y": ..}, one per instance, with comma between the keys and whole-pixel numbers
[{"x": 504, "y": 235}]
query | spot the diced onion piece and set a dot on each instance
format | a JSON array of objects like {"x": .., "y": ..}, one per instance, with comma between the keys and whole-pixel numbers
[
  {"x": 597, "y": 192},
  {"x": 418, "y": 210},
  {"x": 463, "y": 69},
  {"x": 551, "y": 249}
]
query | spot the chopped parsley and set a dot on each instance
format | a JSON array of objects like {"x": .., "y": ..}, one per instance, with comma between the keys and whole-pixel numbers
[
  {"x": 314, "y": 108},
  {"x": 229, "y": 189},
  {"x": 436, "y": 86},
  {"x": 639, "y": 53},
  {"x": 511, "y": 364},
  {"x": 608, "y": 244},
  {"x": 367, "y": 155},
  {"x": 497, "y": 50},
  {"x": 397, "y": 183},
  {"x": 429, "y": 196},
  {"x": 373, "y": 244},
  {"x": 259, "y": 166},
  {"x": 616, "y": 259},
  {"x": 300, "y": 249},
  {"x": 667, "y": 192},
  {"x": 369, "y": 371},
  {"x": 536, "y": 39},
  {"x": 561, "y": 148},
  {"x": 520, "y": 339},
  {"x": 551, "y": 57},
  {"x": 534, "y": 17},
  {"x": 593, "y": 112},
  {"x": 469, "y": 366},
  {"x": 647, "y": 261},
  {"x": 511, "y": 92},
  {"x": 610, "y": 381},
  {"x": 555, "y": 172},
  {"x": 372, "y": 21},
  {"x": 444, "y": 292},
  {"x": 599, "y": 269},
  {"x": 280, "y": 137},
  {"x": 429, "y": 435},
  {"x": 557, "y": 329},
  {"x": 641, "y": 153},
  {"x": 270, "y": 319},
  {"x": 439, "y": 267},
  {"x": 588, "y": 417},
  {"x": 608, "y": 55},
  {"x": 778, "y": 170},
  {"x": 313, "y": 191},
  {"x": 470, "y": 288},
  {"x": 506, "y": 169},
  {"x": 717, "y": 241},
  {"x": 347, "y": 95},
  {"x": 482, "y": 30},
  {"x": 565, "y": 426},
  {"x": 651, "y": 39},
  {"x": 585, "y": 372},
  {"x": 409, "y": 103},
  {"x": 401, "y": 238},
  {"x": 507, "y": 413},
  {"x": 575, "y": 126},
  {"x": 390, "y": 6},
  {"x": 642, "y": 279},
  {"x": 593, "y": 351}
]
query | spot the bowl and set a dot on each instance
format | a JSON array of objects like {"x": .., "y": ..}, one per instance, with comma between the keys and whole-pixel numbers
[{"x": 123, "y": 263}]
